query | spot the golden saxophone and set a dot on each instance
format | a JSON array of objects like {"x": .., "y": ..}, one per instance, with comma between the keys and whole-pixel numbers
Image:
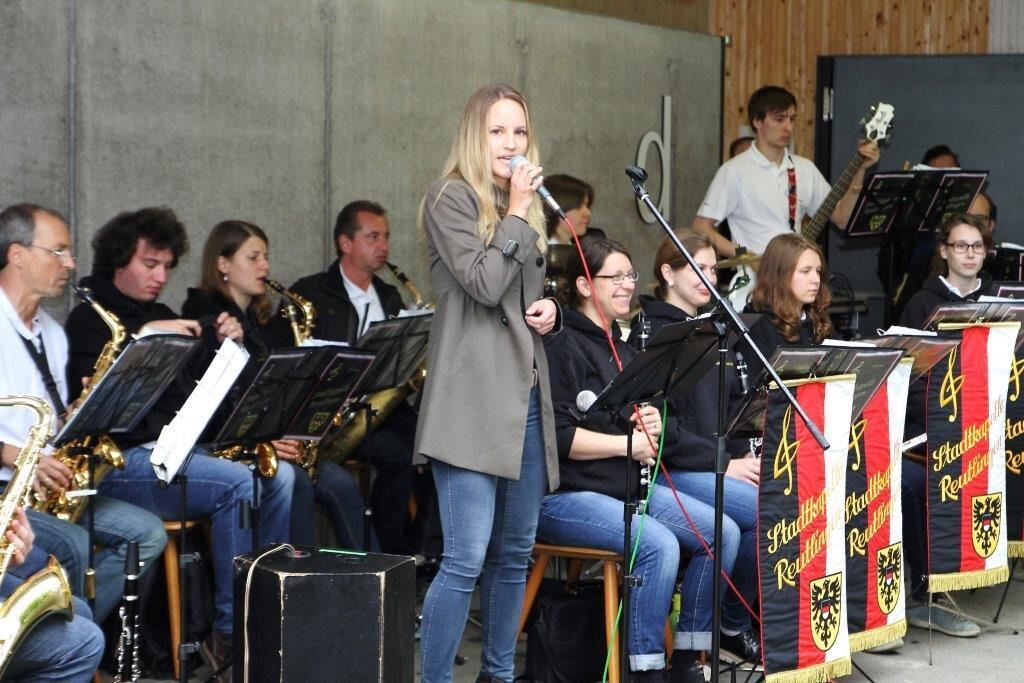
[
  {"x": 339, "y": 444},
  {"x": 71, "y": 455},
  {"x": 47, "y": 591},
  {"x": 301, "y": 316}
]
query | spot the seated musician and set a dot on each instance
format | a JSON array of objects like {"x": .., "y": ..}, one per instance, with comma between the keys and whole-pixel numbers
[
  {"x": 35, "y": 264},
  {"x": 680, "y": 296},
  {"x": 961, "y": 244},
  {"x": 752, "y": 190},
  {"x": 56, "y": 649},
  {"x": 576, "y": 197},
  {"x": 348, "y": 296},
  {"x": 133, "y": 256},
  {"x": 792, "y": 296},
  {"x": 587, "y": 509},
  {"x": 236, "y": 261}
]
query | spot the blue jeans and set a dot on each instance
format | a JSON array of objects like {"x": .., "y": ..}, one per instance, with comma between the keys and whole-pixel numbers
[
  {"x": 336, "y": 489},
  {"x": 56, "y": 649},
  {"x": 117, "y": 523},
  {"x": 594, "y": 520},
  {"x": 489, "y": 525},
  {"x": 914, "y": 494},
  {"x": 740, "y": 500},
  {"x": 215, "y": 490}
]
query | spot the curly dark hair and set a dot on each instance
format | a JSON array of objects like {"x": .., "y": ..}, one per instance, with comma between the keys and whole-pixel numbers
[{"x": 114, "y": 244}]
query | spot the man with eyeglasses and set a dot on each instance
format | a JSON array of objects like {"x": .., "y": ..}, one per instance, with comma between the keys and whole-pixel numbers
[{"x": 36, "y": 264}]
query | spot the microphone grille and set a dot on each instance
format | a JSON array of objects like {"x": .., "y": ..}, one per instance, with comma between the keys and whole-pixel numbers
[
  {"x": 515, "y": 161},
  {"x": 585, "y": 399}
]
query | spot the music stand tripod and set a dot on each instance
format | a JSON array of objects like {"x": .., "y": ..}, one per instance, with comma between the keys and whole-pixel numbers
[{"x": 728, "y": 315}]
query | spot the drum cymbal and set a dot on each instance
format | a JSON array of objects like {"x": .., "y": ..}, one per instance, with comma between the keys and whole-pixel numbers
[{"x": 741, "y": 260}]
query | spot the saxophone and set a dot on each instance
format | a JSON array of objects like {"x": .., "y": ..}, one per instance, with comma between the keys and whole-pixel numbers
[
  {"x": 47, "y": 591},
  {"x": 301, "y": 316},
  {"x": 340, "y": 443},
  {"x": 76, "y": 455}
]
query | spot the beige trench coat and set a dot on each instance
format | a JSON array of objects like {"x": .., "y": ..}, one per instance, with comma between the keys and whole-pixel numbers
[{"x": 482, "y": 353}]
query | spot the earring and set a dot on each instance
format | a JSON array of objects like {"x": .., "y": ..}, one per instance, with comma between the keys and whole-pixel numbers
[
  {"x": 671, "y": 284},
  {"x": 224, "y": 277}
]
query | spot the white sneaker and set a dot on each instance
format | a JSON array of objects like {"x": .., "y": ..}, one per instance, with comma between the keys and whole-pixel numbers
[{"x": 944, "y": 620}]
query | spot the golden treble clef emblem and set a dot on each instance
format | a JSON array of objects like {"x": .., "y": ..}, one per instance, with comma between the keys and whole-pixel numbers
[
  {"x": 1015, "y": 371},
  {"x": 949, "y": 390},
  {"x": 786, "y": 452},
  {"x": 856, "y": 436}
]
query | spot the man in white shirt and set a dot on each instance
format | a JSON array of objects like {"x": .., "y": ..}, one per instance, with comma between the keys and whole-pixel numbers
[
  {"x": 754, "y": 191},
  {"x": 35, "y": 264}
]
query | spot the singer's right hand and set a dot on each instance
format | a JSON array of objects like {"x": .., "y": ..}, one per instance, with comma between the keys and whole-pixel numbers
[{"x": 526, "y": 178}]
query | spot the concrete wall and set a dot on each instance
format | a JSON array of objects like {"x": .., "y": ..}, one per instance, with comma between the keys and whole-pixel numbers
[{"x": 280, "y": 112}]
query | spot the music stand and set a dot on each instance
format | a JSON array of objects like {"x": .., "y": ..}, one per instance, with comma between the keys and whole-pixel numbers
[
  {"x": 121, "y": 398},
  {"x": 676, "y": 358},
  {"x": 871, "y": 365},
  {"x": 400, "y": 346},
  {"x": 901, "y": 206}
]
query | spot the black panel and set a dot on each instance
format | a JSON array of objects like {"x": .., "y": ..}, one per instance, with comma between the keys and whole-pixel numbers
[{"x": 970, "y": 102}]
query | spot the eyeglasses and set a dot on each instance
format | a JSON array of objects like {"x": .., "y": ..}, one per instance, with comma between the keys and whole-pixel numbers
[
  {"x": 618, "y": 278},
  {"x": 962, "y": 247},
  {"x": 61, "y": 254}
]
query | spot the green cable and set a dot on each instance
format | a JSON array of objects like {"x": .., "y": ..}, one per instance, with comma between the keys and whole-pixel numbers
[{"x": 636, "y": 543}]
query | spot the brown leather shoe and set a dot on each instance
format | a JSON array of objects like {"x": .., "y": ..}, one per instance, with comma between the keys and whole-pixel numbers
[{"x": 216, "y": 652}]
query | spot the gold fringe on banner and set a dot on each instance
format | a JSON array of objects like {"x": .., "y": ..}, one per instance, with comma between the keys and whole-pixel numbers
[
  {"x": 961, "y": 581},
  {"x": 877, "y": 636},
  {"x": 1015, "y": 549},
  {"x": 819, "y": 673}
]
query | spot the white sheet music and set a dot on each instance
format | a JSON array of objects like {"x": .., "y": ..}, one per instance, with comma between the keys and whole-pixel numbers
[{"x": 178, "y": 438}]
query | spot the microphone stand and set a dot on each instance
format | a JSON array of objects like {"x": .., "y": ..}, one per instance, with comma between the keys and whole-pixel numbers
[{"x": 727, "y": 317}]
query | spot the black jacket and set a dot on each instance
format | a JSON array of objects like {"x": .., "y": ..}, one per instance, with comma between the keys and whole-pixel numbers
[
  {"x": 696, "y": 409},
  {"x": 768, "y": 339},
  {"x": 579, "y": 359},
  {"x": 87, "y": 334},
  {"x": 336, "y": 316},
  {"x": 933, "y": 294}
]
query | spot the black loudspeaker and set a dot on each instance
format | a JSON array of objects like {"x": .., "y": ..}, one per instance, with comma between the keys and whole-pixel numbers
[{"x": 324, "y": 615}]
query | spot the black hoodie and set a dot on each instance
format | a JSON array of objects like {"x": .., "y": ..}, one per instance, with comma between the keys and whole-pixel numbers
[
  {"x": 935, "y": 293},
  {"x": 87, "y": 334},
  {"x": 696, "y": 409},
  {"x": 579, "y": 359}
]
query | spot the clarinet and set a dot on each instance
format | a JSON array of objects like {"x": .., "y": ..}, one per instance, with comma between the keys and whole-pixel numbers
[
  {"x": 744, "y": 378},
  {"x": 645, "y": 470},
  {"x": 128, "y": 645}
]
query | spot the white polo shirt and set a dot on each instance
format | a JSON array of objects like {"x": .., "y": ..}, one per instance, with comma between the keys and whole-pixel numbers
[
  {"x": 752, "y": 193},
  {"x": 18, "y": 372},
  {"x": 360, "y": 299}
]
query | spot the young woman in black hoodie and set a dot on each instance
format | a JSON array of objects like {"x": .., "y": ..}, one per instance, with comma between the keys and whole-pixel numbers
[
  {"x": 961, "y": 244},
  {"x": 235, "y": 265},
  {"x": 586, "y": 510},
  {"x": 679, "y": 296}
]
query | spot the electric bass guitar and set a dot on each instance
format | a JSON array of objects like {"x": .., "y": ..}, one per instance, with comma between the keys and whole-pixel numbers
[{"x": 877, "y": 128}]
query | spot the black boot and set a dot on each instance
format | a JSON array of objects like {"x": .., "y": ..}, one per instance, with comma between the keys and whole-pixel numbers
[
  {"x": 744, "y": 647},
  {"x": 685, "y": 668},
  {"x": 655, "y": 676}
]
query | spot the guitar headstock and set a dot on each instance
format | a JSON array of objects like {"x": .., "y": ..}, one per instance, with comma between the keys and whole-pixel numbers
[{"x": 878, "y": 127}]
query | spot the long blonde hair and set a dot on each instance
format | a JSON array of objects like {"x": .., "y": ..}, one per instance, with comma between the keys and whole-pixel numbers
[{"x": 470, "y": 161}]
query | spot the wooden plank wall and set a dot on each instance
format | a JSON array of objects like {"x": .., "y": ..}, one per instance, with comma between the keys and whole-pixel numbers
[{"x": 778, "y": 42}]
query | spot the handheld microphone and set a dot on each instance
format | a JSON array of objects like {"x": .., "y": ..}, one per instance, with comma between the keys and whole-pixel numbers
[{"x": 542, "y": 191}]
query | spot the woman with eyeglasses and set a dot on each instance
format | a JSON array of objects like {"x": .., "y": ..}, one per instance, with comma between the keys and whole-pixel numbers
[
  {"x": 961, "y": 244},
  {"x": 681, "y": 295},
  {"x": 587, "y": 508}
]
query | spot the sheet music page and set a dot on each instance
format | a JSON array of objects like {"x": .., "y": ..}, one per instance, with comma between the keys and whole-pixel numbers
[{"x": 179, "y": 436}]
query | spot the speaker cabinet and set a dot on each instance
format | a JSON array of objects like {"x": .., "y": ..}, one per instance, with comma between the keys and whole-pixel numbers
[{"x": 324, "y": 615}]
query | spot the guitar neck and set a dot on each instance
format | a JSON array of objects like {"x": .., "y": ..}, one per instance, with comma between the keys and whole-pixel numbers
[{"x": 821, "y": 217}]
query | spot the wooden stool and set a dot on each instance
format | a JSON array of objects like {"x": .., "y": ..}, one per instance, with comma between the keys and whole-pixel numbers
[
  {"x": 173, "y": 573},
  {"x": 543, "y": 553}
]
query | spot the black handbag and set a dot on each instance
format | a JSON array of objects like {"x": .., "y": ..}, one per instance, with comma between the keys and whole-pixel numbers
[{"x": 566, "y": 643}]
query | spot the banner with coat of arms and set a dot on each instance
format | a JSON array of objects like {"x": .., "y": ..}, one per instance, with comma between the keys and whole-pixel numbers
[
  {"x": 966, "y": 472},
  {"x": 876, "y": 601},
  {"x": 801, "y": 527},
  {"x": 1015, "y": 458}
]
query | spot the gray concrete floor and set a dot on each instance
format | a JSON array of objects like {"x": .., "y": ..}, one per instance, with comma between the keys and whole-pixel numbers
[{"x": 997, "y": 655}]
